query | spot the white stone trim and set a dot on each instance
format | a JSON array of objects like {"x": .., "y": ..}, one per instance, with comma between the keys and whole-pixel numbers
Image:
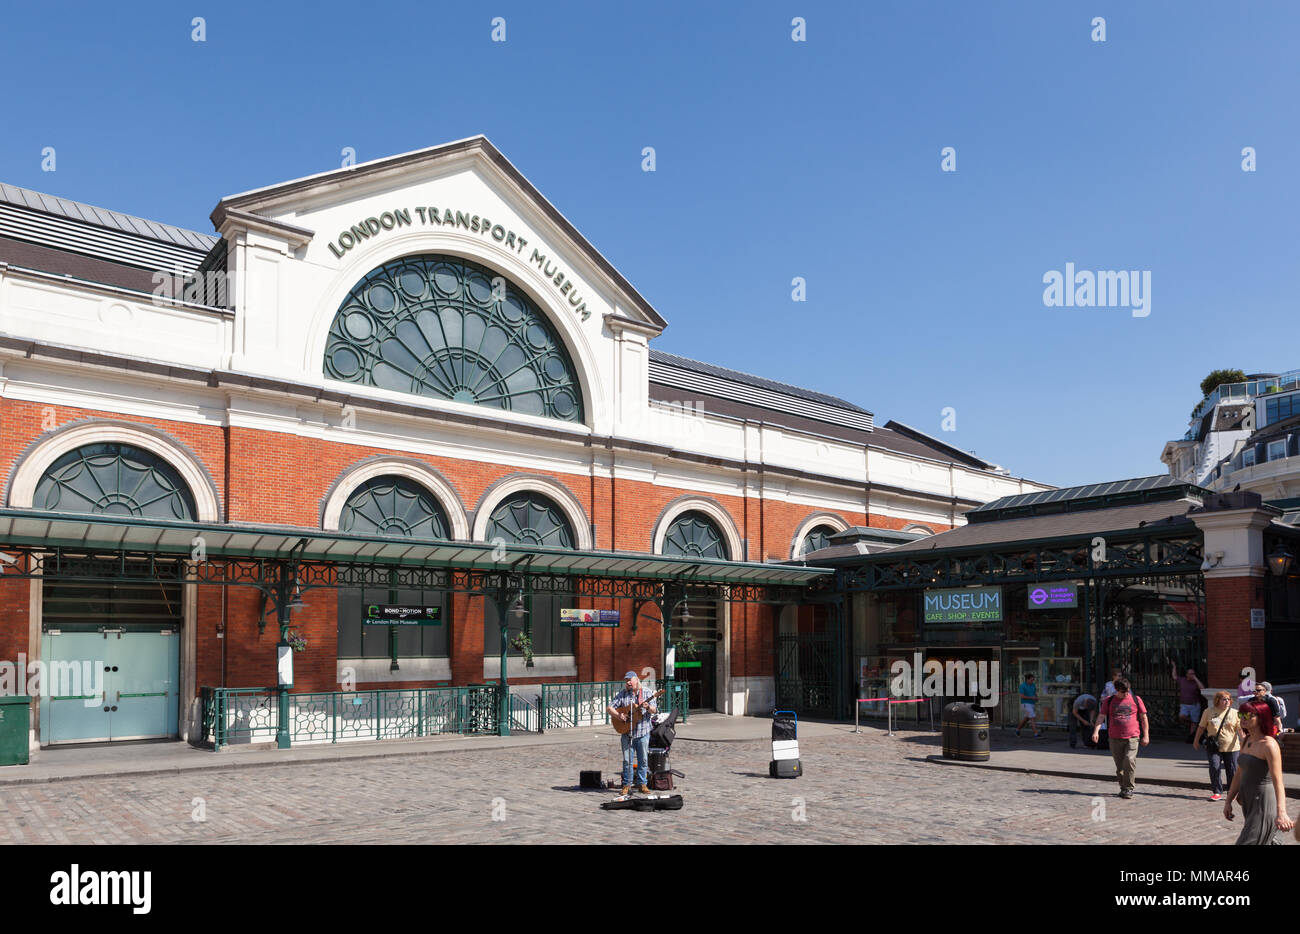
[
  {"x": 544, "y": 666},
  {"x": 376, "y": 670},
  {"x": 810, "y": 523},
  {"x": 711, "y": 509},
  {"x": 22, "y": 489},
  {"x": 426, "y": 477},
  {"x": 528, "y": 483}
]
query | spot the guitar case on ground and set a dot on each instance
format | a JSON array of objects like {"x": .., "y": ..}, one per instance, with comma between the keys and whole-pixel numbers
[{"x": 649, "y": 803}]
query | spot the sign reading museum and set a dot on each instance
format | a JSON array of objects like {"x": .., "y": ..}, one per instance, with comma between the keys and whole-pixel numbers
[{"x": 964, "y": 605}]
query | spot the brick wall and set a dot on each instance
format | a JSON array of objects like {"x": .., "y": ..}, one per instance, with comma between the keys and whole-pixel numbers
[
  {"x": 1233, "y": 645},
  {"x": 271, "y": 477}
]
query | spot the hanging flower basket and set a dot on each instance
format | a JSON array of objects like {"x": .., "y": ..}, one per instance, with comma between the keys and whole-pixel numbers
[
  {"x": 297, "y": 641},
  {"x": 523, "y": 644}
]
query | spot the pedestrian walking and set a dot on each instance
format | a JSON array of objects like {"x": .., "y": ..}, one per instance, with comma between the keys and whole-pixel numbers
[
  {"x": 1258, "y": 782},
  {"x": 1275, "y": 704},
  {"x": 1126, "y": 721},
  {"x": 1189, "y": 698},
  {"x": 1221, "y": 729},
  {"x": 1109, "y": 689},
  {"x": 1028, "y": 704},
  {"x": 1082, "y": 713}
]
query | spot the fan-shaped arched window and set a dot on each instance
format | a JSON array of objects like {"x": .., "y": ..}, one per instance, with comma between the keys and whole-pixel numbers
[
  {"x": 815, "y": 540},
  {"x": 401, "y": 508},
  {"x": 114, "y": 480},
  {"x": 444, "y": 327},
  {"x": 394, "y": 506},
  {"x": 530, "y": 519},
  {"x": 695, "y": 535}
]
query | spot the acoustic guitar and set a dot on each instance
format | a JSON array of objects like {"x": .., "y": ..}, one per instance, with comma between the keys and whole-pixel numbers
[{"x": 634, "y": 713}]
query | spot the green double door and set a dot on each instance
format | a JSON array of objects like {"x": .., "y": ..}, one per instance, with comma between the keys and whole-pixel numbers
[{"x": 114, "y": 684}]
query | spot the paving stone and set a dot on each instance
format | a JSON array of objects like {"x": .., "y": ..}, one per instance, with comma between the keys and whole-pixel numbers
[{"x": 865, "y": 788}]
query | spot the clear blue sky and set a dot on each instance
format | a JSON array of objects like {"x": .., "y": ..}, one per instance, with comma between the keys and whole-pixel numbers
[{"x": 775, "y": 159}]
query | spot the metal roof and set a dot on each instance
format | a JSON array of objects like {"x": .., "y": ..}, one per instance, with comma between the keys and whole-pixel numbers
[
  {"x": 95, "y": 532},
  {"x": 1078, "y": 524},
  {"x": 102, "y": 217},
  {"x": 686, "y": 373},
  {"x": 1137, "y": 489}
]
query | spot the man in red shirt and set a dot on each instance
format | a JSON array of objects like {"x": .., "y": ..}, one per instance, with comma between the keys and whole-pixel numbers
[{"x": 1126, "y": 718}]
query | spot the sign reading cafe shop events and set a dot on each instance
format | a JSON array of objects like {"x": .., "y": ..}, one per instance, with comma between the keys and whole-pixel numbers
[{"x": 964, "y": 605}]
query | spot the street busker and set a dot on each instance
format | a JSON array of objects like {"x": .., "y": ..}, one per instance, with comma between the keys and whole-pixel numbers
[
  {"x": 1126, "y": 720},
  {"x": 1258, "y": 783}
]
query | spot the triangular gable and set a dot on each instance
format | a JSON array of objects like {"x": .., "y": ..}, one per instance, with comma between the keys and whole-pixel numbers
[{"x": 275, "y": 206}]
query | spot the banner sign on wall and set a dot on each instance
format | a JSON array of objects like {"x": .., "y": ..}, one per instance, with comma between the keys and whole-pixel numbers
[
  {"x": 393, "y": 614},
  {"x": 1053, "y": 596},
  {"x": 964, "y": 605},
  {"x": 604, "y": 618}
]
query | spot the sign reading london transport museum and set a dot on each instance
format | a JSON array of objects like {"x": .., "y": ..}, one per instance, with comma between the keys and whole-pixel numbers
[
  {"x": 375, "y": 225},
  {"x": 964, "y": 605}
]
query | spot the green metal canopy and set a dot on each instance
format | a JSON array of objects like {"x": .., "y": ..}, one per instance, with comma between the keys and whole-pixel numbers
[{"x": 32, "y": 529}]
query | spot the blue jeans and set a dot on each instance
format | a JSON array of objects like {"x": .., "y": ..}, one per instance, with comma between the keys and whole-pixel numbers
[
  {"x": 642, "y": 746},
  {"x": 1225, "y": 760}
]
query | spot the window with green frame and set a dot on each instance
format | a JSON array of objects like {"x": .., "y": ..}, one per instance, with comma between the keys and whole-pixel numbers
[
  {"x": 530, "y": 518},
  {"x": 543, "y": 620},
  {"x": 116, "y": 480},
  {"x": 816, "y": 540},
  {"x": 398, "y": 507},
  {"x": 445, "y": 327},
  {"x": 357, "y": 640},
  {"x": 694, "y": 535}
]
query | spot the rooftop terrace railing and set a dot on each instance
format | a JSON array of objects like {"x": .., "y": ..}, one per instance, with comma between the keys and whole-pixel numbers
[{"x": 1244, "y": 392}]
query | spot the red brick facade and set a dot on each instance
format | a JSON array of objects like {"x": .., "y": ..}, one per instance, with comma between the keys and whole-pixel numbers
[
  {"x": 279, "y": 478},
  {"x": 1233, "y": 644}
]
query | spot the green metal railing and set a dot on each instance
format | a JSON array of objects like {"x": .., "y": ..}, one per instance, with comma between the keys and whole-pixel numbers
[
  {"x": 584, "y": 703},
  {"x": 247, "y": 715},
  {"x": 235, "y": 716}
]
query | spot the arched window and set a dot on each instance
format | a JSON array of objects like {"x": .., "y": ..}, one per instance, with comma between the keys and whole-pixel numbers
[
  {"x": 695, "y": 535},
  {"x": 531, "y": 519},
  {"x": 114, "y": 480},
  {"x": 818, "y": 538},
  {"x": 444, "y": 327},
  {"x": 400, "y": 508},
  {"x": 394, "y": 506}
]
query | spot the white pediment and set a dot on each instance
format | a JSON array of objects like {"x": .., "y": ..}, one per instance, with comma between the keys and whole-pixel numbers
[{"x": 465, "y": 194}]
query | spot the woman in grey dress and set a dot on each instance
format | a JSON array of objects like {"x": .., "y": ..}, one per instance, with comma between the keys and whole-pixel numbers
[{"x": 1258, "y": 782}]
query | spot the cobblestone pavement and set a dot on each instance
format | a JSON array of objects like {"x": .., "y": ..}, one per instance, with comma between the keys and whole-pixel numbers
[{"x": 865, "y": 788}]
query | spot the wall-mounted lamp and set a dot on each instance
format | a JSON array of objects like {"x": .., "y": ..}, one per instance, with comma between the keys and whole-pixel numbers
[{"x": 1280, "y": 561}]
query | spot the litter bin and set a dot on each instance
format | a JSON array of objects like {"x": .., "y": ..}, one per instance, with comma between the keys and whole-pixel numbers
[
  {"x": 965, "y": 733},
  {"x": 15, "y": 720}
]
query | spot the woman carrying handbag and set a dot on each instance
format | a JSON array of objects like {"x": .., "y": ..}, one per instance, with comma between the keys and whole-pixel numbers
[{"x": 1221, "y": 729}]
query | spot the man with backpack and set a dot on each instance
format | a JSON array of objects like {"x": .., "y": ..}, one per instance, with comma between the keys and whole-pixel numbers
[{"x": 1126, "y": 721}]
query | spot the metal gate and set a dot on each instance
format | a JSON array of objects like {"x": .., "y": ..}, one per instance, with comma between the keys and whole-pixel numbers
[
  {"x": 808, "y": 674},
  {"x": 1148, "y": 631}
]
